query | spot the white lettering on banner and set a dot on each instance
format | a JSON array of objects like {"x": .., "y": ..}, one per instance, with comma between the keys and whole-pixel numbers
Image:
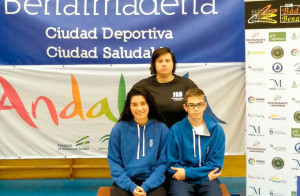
[
  {"x": 108, "y": 33},
  {"x": 124, "y": 53},
  {"x": 54, "y": 52},
  {"x": 81, "y": 7},
  {"x": 57, "y": 33}
]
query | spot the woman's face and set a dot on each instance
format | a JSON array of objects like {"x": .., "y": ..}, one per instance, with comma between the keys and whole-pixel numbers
[
  {"x": 139, "y": 108},
  {"x": 164, "y": 65}
]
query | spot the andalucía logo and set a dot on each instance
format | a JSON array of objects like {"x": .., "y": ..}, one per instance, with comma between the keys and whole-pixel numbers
[
  {"x": 72, "y": 109},
  {"x": 83, "y": 140}
]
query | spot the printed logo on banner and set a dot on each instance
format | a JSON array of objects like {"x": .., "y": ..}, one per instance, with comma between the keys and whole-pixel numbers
[
  {"x": 255, "y": 115},
  {"x": 261, "y": 84},
  {"x": 294, "y": 193},
  {"x": 255, "y": 39},
  {"x": 256, "y": 52},
  {"x": 277, "y": 102},
  {"x": 297, "y": 68},
  {"x": 277, "y": 163},
  {"x": 276, "y": 84},
  {"x": 277, "y": 67},
  {"x": 295, "y": 132},
  {"x": 257, "y": 100},
  {"x": 297, "y": 147},
  {"x": 256, "y": 69},
  {"x": 295, "y": 84},
  {"x": 275, "y": 179},
  {"x": 277, "y": 52},
  {"x": 273, "y": 193},
  {"x": 277, "y": 36},
  {"x": 275, "y": 116},
  {"x": 296, "y": 164},
  {"x": 294, "y": 36},
  {"x": 275, "y": 131},
  {"x": 256, "y": 147},
  {"x": 254, "y": 131},
  {"x": 297, "y": 116},
  {"x": 80, "y": 145},
  {"x": 104, "y": 140},
  {"x": 294, "y": 52},
  {"x": 263, "y": 15},
  {"x": 278, "y": 148},
  {"x": 254, "y": 191},
  {"x": 295, "y": 100},
  {"x": 254, "y": 177},
  {"x": 253, "y": 161},
  {"x": 290, "y": 13}
]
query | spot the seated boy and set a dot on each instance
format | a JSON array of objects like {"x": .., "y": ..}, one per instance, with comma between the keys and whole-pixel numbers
[{"x": 195, "y": 151}]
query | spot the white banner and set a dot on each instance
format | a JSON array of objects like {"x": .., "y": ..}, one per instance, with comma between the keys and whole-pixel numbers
[{"x": 68, "y": 111}]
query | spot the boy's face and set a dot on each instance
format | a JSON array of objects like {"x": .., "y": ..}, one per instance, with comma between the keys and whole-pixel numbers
[{"x": 195, "y": 107}]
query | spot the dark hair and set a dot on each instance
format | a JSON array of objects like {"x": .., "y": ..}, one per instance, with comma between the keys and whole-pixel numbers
[
  {"x": 193, "y": 92},
  {"x": 156, "y": 54},
  {"x": 126, "y": 115}
]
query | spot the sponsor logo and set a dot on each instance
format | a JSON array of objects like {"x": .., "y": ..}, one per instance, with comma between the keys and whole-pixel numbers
[
  {"x": 177, "y": 96},
  {"x": 277, "y": 67},
  {"x": 277, "y": 52},
  {"x": 257, "y": 100},
  {"x": 80, "y": 145},
  {"x": 273, "y": 131},
  {"x": 272, "y": 193},
  {"x": 297, "y": 68},
  {"x": 294, "y": 36},
  {"x": 295, "y": 132},
  {"x": 275, "y": 179},
  {"x": 297, "y": 101},
  {"x": 256, "y": 147},
  {"x": 290, "y": 13},
  {"x": 275, "y": 116},
  {"x": 256, "y": 115},
  {"x": 263, "y": 15},
  {"x": 256, "y": 69},
  {"x": 277, "y": 36},
  {"x": 254, "y": 191},
  {"x": 278, "y": 148},
  {"x": 297, "y": 147},
  {"x": 255, "y": 52},
  {"x": 277, "y": 102},
  {"x": 277, "y": 163},
  {"x": 252, "y": 161},
  {"x": 255, "y": 39},
  {"x": 296, "y": 163},
  {"x": 255, "y": 131},
  {"x": 256, "y": 84},
  {"x": 254, "y": 177},
  {"x": 276, "y": 84},
  {"x": 297, "y": 116},
  {"x": 294, "y": 52}
]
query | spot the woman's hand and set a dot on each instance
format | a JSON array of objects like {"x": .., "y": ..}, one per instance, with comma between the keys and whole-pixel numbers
[
  {"x": 139, "y": 191},
  {"x": 214, "y": 175}
]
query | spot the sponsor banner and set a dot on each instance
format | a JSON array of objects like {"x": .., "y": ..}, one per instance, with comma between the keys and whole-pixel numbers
[
  {"x": 69, "y": 111},
  {"x": 272, "y": 101},
  {"x": 272, "y": 14},
  {"x": 60, "y": 32}
]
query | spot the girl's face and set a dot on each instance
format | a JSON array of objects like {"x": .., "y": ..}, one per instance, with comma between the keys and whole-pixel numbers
[
  {"x": 139, "y": 109},
  {"x": 164, "y": 65}
]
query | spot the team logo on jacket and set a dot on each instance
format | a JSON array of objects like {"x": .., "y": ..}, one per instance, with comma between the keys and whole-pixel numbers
[
  {"x": 151, "y": 143},
  {"x": 177, "y": 96}
]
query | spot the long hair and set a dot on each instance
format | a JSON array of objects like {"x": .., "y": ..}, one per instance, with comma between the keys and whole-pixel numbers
[
  {"x": 156, "y": 54},
  {"x": 126, "y": 115}
]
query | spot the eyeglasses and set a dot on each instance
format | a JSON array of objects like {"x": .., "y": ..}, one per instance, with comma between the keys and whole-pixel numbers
[{"x": 193, "y": 106}]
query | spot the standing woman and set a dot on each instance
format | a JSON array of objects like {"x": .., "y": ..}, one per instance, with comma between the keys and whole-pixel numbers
[
  {"x": 137, "y": 148},
  {"x": 165, "y": 86}
]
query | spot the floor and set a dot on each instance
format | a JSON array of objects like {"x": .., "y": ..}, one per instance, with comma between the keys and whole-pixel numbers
[{"x": 85, "y": 187}]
